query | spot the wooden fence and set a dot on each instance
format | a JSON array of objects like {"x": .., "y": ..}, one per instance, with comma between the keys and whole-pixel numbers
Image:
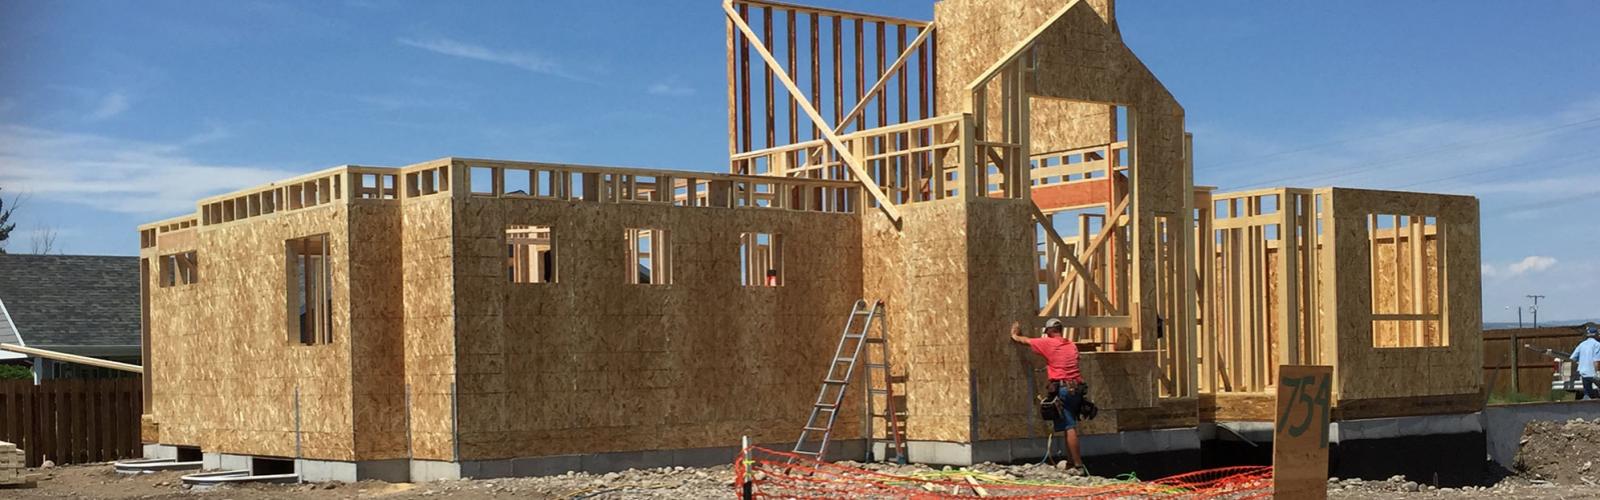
[
  {"x": 72, "y": 421},
  {"x": 1534, "y": 370}
]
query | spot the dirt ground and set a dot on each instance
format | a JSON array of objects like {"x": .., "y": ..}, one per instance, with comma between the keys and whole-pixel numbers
[
  {"x": 99, "y": 481},
  {"x": 1556, "y": 460}
]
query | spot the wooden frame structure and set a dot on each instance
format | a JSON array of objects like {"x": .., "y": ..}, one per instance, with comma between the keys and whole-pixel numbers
[{"x": 1006, "y": 160}]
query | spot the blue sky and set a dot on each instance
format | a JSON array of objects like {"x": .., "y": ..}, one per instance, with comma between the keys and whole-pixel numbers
[{"x": 118, "y": 113}]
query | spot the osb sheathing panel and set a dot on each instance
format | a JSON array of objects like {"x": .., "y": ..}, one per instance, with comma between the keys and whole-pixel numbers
[
  {"x": 377, "y": 330},
  {"x": 592, "y": 364},
  {"x": 921, "y": 271},
  {"x": 973, "y": 35},
  {"x": 1365, "y": 372},
  {"x": 1080, "y": 57},
  {"x": 1002, "y": 283},
  {"x": 427, "y": 253},
  {"x": 224, "y": 373}
]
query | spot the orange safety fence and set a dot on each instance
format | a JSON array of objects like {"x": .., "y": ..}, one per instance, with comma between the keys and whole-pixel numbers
[{"x": 764, "y": 473}]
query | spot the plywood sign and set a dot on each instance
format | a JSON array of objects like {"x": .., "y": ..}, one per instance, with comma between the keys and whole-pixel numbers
[{"x": 1300, "y": 437}]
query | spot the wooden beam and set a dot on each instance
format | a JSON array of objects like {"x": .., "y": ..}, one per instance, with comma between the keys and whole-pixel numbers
[
  {"x": 744, "y": 83},
  {"x": 833, "y": 139},
  {"x": 733, "y": 91},
  {"x": 794, "y": 121},
  {"x": 816, "y": 70},
  {"x": 72, "y": 358},
  {"x": 764, "y": 44},
  {"x": 1096, "y": 321}
]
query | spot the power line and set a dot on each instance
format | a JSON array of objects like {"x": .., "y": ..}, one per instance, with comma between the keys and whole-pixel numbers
[
  {"x": 1250, "y": 162},
  {"x": 1546, "y": 165}
]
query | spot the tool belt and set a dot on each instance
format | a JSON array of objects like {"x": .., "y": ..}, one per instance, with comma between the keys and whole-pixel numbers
[{"x": 1051, "y": 407}]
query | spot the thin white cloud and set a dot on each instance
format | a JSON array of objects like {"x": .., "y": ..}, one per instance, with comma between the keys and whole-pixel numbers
[
  {"x": 1531, "y": 263},
  {"x": 1528, "y": 265},
  {"x": 113, "y": 174},
  {"x": 530, "y": 61},
  {"x": 111, "y": 105},
  {"x": 395, "y": 102},
  {"x": 669, "y": 88}
]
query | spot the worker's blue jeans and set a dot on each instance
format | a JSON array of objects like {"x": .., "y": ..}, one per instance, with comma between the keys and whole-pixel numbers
[
  {"x": 1070, "y": 403},
  {"x": 1591, "y": 388}
]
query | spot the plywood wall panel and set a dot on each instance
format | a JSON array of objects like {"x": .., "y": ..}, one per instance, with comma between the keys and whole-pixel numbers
[
  {"x": 1366, "y": 372},
  {"x": 582, "y": 364},
  {"x": 921, "y": 272},
  {"x": 427, "y": 270},
  {"x": 225, "y": 373}
]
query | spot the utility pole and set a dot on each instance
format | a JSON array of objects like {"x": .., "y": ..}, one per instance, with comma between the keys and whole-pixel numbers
[
  {"x": 1535, "y": 309},
  {"x": 1516, "y": 364}
]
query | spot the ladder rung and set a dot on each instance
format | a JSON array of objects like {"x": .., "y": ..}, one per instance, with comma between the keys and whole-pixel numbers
[
  {"x": 804, "y": 452},
  {"x": 818, "y": 429},
  {"x": 827, "y": 405},
  {"x": 832, "y": 381},
  {"x": 838, "y": 360}
]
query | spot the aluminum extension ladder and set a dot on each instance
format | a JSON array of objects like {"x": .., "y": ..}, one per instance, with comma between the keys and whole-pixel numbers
[{"x": 841, "y": 369}]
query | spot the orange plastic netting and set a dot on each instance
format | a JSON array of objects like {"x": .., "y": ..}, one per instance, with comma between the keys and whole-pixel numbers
[{"x": 764, "y": 473}]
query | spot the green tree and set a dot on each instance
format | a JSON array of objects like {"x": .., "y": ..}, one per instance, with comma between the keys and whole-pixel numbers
[
  {"x": 15, "y": 372},
  {"x": 5, "y": 226}
]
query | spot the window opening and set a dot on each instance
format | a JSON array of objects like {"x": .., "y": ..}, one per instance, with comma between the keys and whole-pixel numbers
[
  {"x": 530, "y": 254},
  {"x": 310, "y": 300},
  {"x": 179, "y": 269},
  {"x": 649, "y": 258},
  {"x": 761, "y": 259},
  {"x": 1407, "y": 277}
]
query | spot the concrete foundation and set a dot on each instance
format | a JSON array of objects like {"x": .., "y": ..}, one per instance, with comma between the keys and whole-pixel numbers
[
  {"x": 160, "y": 451},
  {"x": 1444, "y": 449}
]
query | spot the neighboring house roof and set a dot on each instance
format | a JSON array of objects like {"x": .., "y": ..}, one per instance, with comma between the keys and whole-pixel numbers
[{"x": 83, "y": 304}]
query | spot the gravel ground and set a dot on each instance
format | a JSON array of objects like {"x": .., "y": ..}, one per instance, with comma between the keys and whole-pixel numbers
[
  {"x": 1557, "y": 460},
  {"x": 99, "y": 481},
  {"x": 1511, "y": 488}
]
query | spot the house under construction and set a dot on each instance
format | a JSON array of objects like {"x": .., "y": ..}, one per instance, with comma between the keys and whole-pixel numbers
[{"x": 1008, "y": 160}]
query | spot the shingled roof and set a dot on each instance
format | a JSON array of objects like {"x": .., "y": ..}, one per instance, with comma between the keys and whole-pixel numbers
[{"x": 65, "y": 301}]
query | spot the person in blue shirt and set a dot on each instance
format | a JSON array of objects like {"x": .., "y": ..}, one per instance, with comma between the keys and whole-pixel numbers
[{"x": 1587, "y": 355}]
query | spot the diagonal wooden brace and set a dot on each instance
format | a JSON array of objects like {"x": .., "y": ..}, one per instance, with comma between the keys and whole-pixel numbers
[
  {"x": 1077, "y": 267},
  {"x": 845, "y": 156}
]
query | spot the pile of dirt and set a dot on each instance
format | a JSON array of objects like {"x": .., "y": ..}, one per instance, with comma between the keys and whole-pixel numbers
[{"x": 1560, "y": 452}]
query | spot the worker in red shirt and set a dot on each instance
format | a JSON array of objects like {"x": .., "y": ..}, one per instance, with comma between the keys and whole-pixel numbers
[{"x": 1061, "y": 364}]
